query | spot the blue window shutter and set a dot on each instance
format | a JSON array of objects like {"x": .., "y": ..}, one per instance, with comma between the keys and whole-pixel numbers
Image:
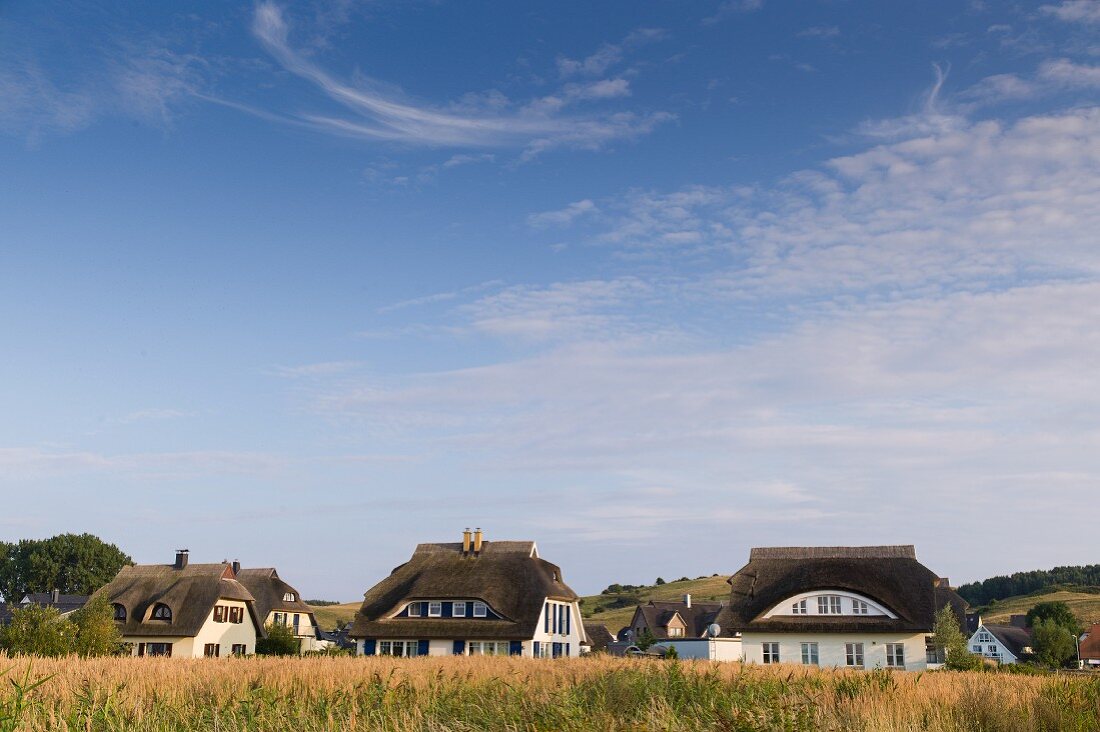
[
  {"x": 460, "y": 648},
  {"x": 515, "y": 648},
  {"x": 566, "y": 649},
  {"x": 546, "y": 620},
  {"x": 537, "y": 648},
  {"x": 448, "y": 609},
  {"x": 568, "y": 617},
  {"x": 556, "y": 650},
  {"x": 422, "y": 648},
  {"x": 368, "y": 647}
]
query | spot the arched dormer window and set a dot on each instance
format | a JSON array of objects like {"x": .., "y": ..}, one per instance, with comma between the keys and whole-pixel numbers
[
  {"x": 120, "y": 612},
  {"x": 162, "y": 612},
  {"x": 289, "y": 597}
]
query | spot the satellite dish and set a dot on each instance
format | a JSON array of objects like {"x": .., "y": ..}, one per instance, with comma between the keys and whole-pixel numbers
[{"x": 713, "y": 630}]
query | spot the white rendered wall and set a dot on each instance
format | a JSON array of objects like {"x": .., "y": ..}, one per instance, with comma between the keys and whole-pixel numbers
[{"x": 830, "y": 648}]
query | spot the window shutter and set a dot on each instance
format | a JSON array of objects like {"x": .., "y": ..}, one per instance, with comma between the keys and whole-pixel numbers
[
  {"x": 566, "y": 610},
  {"x": 537, "y": 648},
  {"x": 422, "y": 648},
  {"x": 546, "y": 620},
  {"x": 460, "y": 648},
  {"x": 515, "y": 648},
  {"x": 368, "y": 647},
  {"x": 567, "y": 649},
  {"x": 447, "y": 610}
]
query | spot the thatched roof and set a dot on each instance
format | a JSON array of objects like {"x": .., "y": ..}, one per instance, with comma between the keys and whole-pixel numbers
[
  {"x": 889, "y": 575},
  {"x": 658, "y": 613},
  {"x": 190, "y": 592},
  {"x": 269, "y": 589},
  {"x": 507, "y": 575},
  {"x": 1012, "y": 637},
  {"x": 62, "y": 603},
  {"x": 598, "y": 636}
]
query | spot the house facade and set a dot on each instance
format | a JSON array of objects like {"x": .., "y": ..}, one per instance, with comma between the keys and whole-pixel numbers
[
  {"x": 1002, "y": 643},
  {"x": 280, "y": 604},
  {"x": 476, "y": 597},
  {"x": 1088, "y": 646},
  {"x": 184, "y": 610},
  {"x": 856, "y": 607},
  {"x": 670, "y": 620}
]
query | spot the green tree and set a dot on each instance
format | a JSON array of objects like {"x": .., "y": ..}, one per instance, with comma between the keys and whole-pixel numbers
[
  {"x": 645, "y": 639},
  {"x": 1057, "y": 612},
  {"x": 72, "y": 563},
  {"x": 948, "y": 638},
  {"x": 1055, "y": 645},
  {"x": 660, "y": 581},
  {"x": 38, "y": 631},
  {"x": 97, "y": 634},
  {"x": 280, "y": 641}
]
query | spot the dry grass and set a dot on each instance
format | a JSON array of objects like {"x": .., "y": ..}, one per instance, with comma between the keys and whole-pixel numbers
[
  {"x": 331, "y": 616},
  {"x": 522, "y": 694}
]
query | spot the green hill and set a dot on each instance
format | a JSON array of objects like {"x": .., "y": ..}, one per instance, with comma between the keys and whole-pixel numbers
[
  {"x": 616, "y": 609},
  {"x": 329, "y": 616},
  {"x": 1083, "y": 601}
]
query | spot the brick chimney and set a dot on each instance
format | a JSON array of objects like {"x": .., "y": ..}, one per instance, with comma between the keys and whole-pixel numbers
[
  {"x": 477, "y": 541},
  {"x": 466, "y": 541},
  {"x": 181, "y": 558}
]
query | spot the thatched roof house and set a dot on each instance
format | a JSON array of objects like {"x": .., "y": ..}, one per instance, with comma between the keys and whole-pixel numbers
[
  {"x": 278, "y": 602},
  {"x": 457, "y": 597}
]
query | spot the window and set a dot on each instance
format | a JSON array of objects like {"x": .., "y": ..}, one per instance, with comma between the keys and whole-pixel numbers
[
  {"x": 236, "y": 614},
  {"x": 489, "y": 648},
  {"x": 481, "y": 610},
  {"x": 985, "y": 637},
  {"x": 895, "y": 655},
  {"x": 120, "y": 613},
  {"x": 859, "y": 607},
  {"x": 809, "y": 654},
  {"x": 993, "y": 649},
  {"x": 162, "y": 612},
  {"x": 799, "y": 608},
  {"x": 397, "y": 648},
  {"x": 976, "y": 649},
  {"x": 542, "y": 650},
  {"x": 212, "y": 650},
  {"x": 771, "y": 652},
  {"x": 239, "y": 649},
  {"x": 853, "y": 655},
  {"x": 155, "y": 649},
  {"x": 459, "y": 610},
  {"x": 828, "y": 605},
  {"x": 414, "y": 609},
  {"x": 220, "y": 614},
  {"x": 435, "y": 609},
  {"x": 675, "y": 632},
  {"x": 289, "y": 597}
]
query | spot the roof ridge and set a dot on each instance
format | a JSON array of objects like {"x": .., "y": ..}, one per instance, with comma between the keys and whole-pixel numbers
[{"x": 890, "y": 551}]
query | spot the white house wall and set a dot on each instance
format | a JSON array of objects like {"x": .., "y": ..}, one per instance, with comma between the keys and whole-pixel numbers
[
  {"x": 226, "y": 634},
  {"x": 573, "y": 638},
  {"x": 831, "y": 651},
  {"x": 992, "y": 648},
  {"x": 711, "y": 649}
]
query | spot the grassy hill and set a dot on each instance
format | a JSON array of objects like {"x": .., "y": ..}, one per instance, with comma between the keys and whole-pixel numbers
[
  {"x": 329, "y": 616},
  {"x": 616, "y": 610},
  {"x": 1083, "y": 601}
]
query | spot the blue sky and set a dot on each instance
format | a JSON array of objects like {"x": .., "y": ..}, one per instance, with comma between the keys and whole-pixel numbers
[{"x": 648, "y": 282}]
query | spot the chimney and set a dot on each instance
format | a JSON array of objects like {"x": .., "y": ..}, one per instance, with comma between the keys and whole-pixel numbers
[
  {"x": 466, "y": 541},
  {"x": 477, "y": 541},
  {"x": 236, "y": 566},
  {"x": 181, "y": 558},
  {"x": 687, "y": 601},
  {"x": 56, "y": 595}
]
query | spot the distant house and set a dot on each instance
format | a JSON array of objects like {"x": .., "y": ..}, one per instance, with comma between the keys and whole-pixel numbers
[
  {"x": 279, "y": 603},
  {"x": 64, "y": 604},
  {"x": 476, "y": 597},
  {"x": 1089, "y": 645},
  {"x": 597, "y": 637},
  {"x": 667, "y": 620},
  {"x": 1002, "y": 643},
  {"x": 184, "y": 610},
  {"x": 856, "y": 607}
]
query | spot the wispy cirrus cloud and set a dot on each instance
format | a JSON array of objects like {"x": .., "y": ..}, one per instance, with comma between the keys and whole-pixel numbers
[
  {"x": 380, "y": 116},
  {"x": 1075, "y": 11}
]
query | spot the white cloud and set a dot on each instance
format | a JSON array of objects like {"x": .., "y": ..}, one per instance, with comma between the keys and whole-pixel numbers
[
  {"x": 1075, "y": 11},
  {"x": 473, "y": 123},
  {"x": 820, "y": 31},
  {"x": 563, "y": 216}
]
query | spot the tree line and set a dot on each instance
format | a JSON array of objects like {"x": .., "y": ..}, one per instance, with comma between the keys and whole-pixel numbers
[
  {"x": 74, "y": 564},
  {"x": 1024, "y": 583}
]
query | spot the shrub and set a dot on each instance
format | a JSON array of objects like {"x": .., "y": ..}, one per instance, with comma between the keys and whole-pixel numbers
[
  {"x": 280, "y": 641},
  {"x": 38, "y": 631}
]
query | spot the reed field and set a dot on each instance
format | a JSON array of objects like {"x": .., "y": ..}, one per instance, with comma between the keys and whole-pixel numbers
[{"x": 596, "y": 693}]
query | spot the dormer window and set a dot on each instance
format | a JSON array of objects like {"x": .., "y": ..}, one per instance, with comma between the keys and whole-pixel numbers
[
  {"x": 120, "y": 613},
  {"x": 828, "y": 605},
  {"x": 799, "y": 608},
  {"x": 435, "y": 609},
  {"x": 480, "y": 610},
  {"x": 859, "y": 607},
  {"x": 289, "y": 597},
  {"x": 414, "y": 609},
  {"x": 459, "y": 610},
  {"x": 162, "y": 612}
]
